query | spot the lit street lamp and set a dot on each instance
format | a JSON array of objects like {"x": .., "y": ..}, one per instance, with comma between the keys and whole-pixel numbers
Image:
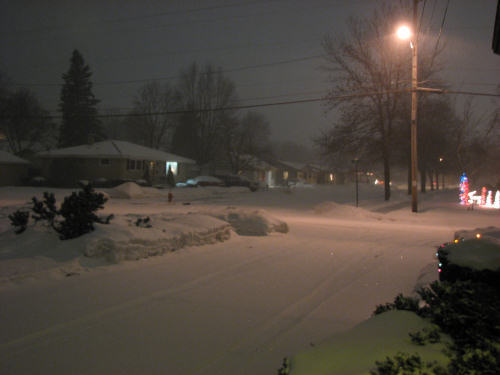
[{"x": 405, "y": 33}]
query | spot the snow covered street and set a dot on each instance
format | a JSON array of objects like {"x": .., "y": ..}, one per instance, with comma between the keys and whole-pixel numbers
[{"x": 237, "y": 306}]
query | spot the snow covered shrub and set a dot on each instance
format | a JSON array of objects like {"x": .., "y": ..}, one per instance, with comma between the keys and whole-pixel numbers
[
  {"x": 285, "y": 367},
  {"x": 19, "y": 220},
  {"x": 143, "y": 222},
  {"x": 405, "y": 364},
  {"x": 45, "y": 210},
  {"x": 452, "y": 272},
  {"x": 468, "y": 311},
  {"x": 484, "y": 361},
  {"x": 400, "y": 303},
  {"x": 425, "y": 336},
  {"x": 78, "y": 211}
]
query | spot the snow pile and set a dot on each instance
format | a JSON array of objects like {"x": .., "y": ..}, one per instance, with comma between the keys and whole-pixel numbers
[
  {"x": 253, "y": 222},
  {"x": 131, "y": 190},
  {"x": 344, "y": 211},
  {"x": 126, "y": 239},
  {"x": 355, "y": 351},
  {"x": 127, "y": 190}
]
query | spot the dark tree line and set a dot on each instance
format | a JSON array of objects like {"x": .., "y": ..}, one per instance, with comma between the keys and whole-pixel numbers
[{"x": 193, "y": 118}]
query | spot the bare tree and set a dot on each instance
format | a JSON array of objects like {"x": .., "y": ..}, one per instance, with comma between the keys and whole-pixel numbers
[
  {"x": 205, "y": 95},
  {"x": 245, "y": 140},
  {"x": 149, "y": 123},
  {"x": 476, "y": 144},
  {"x": 370, "y": 72},
  {"x": 25, "y": 124}
]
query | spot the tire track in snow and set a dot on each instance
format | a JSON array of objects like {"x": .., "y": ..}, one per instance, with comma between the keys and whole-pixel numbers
[
  {"x": 295, "y": 313},
  {"x": 291, "y": 315},
  {"x": 56, "y": 332}
]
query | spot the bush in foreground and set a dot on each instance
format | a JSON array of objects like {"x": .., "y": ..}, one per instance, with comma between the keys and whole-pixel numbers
[{"x": 76, "y": 216}]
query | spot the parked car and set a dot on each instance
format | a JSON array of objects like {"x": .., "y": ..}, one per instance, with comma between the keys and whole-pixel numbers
[
  {"x": 204, "y": 181},
  {"x": 235, "y": 180}
]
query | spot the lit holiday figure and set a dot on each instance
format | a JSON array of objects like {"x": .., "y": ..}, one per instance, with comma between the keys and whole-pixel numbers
[{"x": 464, "y": 189}]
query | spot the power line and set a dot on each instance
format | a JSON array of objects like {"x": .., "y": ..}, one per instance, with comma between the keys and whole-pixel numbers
[
  {"x": 146, "y": 16},
  {"x": 274, "y": 104},
  {"x": 166, "y": 78},
  {"x": 440, "y": 32}
]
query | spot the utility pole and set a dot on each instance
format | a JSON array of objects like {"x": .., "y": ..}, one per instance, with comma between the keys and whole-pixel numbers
[
  {"x": 355, "y": 161},
  {"x": 413, "y": 125}
]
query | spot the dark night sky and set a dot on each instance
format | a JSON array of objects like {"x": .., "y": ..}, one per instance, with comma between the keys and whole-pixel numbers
[{"x": 144, "y": 40}]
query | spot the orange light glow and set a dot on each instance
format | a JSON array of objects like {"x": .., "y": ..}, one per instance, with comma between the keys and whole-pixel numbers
[
  {"x": 403, "y": 32},
  {"x": 478, "y": 235}
]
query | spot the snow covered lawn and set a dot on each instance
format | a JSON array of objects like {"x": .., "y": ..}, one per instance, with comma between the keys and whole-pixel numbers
[{"x": 296, "y": 269}]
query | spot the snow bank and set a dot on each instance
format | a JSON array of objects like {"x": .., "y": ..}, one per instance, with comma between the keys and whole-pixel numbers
[
  {"x": 38, "y": 251},
  {"x": 131, "y": 190},
  {"x": 251, "y": 222},
  {"x": 125, "y": 239},
  {"x": 355, "y": 351},
  {"x": 344, "y": 211}
]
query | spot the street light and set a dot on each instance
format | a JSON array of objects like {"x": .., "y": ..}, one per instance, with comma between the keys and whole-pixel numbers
[{"x": 405, "y": 33}]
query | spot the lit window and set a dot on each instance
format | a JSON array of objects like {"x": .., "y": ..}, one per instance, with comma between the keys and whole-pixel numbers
[
  {"x": 172, "y": 165},
  {"x": 285, "y": 175}
]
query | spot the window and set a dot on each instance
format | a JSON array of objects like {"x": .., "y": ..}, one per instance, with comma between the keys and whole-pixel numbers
[{"x": 104, "y": 162}]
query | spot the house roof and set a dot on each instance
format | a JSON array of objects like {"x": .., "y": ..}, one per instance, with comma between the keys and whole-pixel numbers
[
  {"x": 112, "y": 149},
  {"x": 7, "y": 158}
]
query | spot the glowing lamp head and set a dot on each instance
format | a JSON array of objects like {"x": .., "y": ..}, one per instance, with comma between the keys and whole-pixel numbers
[
  {"x": 403, "y": 32},
  {"x": 478, "y": 235},
  {"x": 456, "y": 240}
]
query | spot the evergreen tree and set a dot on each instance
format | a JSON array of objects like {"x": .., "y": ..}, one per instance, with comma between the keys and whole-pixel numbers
[{"x": 78, "y": 106}]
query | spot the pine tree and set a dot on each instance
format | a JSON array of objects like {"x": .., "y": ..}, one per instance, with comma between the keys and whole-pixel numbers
[{"x": 78, "y": 106}]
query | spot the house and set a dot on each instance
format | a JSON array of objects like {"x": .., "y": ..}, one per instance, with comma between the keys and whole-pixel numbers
[
  {"x": 112, "y": 162},
  {"x": 310, "y": 173},
  {"x": 13, "y": 170}
]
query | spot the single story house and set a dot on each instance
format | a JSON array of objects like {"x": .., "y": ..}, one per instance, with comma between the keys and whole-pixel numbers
[
  {"x": 286, "y": 172},
  {"x": 13, "y": 170},
  {"x": 111, "y": 162}
]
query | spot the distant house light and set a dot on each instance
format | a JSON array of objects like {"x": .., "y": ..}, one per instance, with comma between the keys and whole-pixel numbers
[{"x": 173, "y": 165}]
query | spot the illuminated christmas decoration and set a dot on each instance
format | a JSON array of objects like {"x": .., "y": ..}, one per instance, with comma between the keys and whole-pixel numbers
[
  {"x": 483, "y": 195},
  {"x": 469, "y": 198},
  {"x": 464, "y": 189}
]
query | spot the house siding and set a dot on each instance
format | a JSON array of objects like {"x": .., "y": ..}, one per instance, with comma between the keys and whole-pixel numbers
[{"x": 13, "y": 174}]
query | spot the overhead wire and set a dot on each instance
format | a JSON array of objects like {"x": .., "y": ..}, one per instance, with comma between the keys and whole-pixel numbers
[{"x": 270, "y": 104}]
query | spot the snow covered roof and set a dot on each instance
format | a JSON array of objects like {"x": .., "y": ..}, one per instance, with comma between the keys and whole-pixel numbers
[
  {"x": 112, "y": 149},
  {"x": 7, "y": 158},
  {"x": 296, "y": 165}
]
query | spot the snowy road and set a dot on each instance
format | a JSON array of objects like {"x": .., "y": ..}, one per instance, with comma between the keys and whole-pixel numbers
[{"x": 233, "y": 307}]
